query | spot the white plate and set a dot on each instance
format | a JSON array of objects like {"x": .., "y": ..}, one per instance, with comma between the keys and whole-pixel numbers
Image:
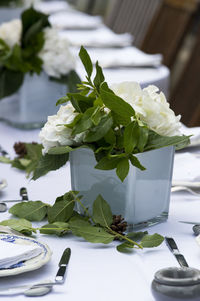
[
  {"x": 3, "y": 184},
  {"x": 31, "y": 264}
]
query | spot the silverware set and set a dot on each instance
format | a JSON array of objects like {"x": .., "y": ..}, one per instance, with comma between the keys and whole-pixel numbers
[
  {"x": 24, "y": 197},
  {"x": 44, "y": 287}
]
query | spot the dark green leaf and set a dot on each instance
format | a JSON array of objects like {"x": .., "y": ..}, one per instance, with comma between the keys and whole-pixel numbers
[
  {"x": 102, "y": 213},
  {"x": 107, "y": 163},
  {"x": 135, "y": 162},
  {"x": 116, "y": 104},
  {"x": 21, "y": 225},
  {"x": 96, "y": 116},
  {"x": 73, "y": 81},
  {"x": 136, "y": 236},
  {"x": 143, "y": 138},
  {"x": 150, "y": 241},
  {"x": 61, "y": 211},
  {"x": 125, "y": 247},
  {"x": 156, "y": 141},
  {"x": 122, "y": 168},
  {"x": 85, "y": 122},
  {"x": 34, "y": 153},
  {"x": 48, "y": 163},
  {"x": 32, "y": 211},
  {"x": 62, "y": 100},
  {"x": 10, "y": 81},
  {"x": 85, "y": 58},
  {"x": 131, "y": 136},
  {"x": 57, "y": 228},
  {"x": 100, "y": 130},
  {"x": 99, "y": 77},
  {"x": 120, "y": 120},
  {"x": 110, "y": 137},
  {"x": 90, "y": 233},
  {"x": 59, "y": 150}
]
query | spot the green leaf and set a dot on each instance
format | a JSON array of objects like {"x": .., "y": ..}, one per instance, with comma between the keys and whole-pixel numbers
[
  {"x": 21, "y": 225},
  {"x": 32, "y": 23},
  {"x": 143, "y": 138},
  {"x": 98, "y": 132},
  {"x": 125, "y": 247},
  {"x": 99, "y": 77},
  {"x": 85, "y": 122},
  {"x": 90, "y": 233},
  {"x": 102, "y": 213},
  {"x": 156, "y": 141},
  {"x": 59, "y": 150},
  {"x": 107, "y": 163},
  {"x": 69, "y": 196},
  {"x": 135, "y": 162},
  {"x": 120, "y": 120},
  {"x": 32, "y": 211},
  {"x": 136, "y": 236},
  {"x": 34, "y": 153},
  {"x": 131, "y": 136},
  {"x": 48, "y": 163},
  {"x": 81, "y": 102},
  {"x": 10, "y": 81},
  {"x": 85, "y": 58},
  {"x": 96, "y": 116},
  {"x": 150, "y": 241},
  {"x": 61, "y": 211},
  {"x": 122, "y": 168},
  {"x": 5, "y": 160},
  {"x": 57, "y": 228},
  {"x": 116, "y": 104},
  {"x": 110, "y": 137},
  {"x": 73, "y": 81},
  {"x": 62, "y": 100}
]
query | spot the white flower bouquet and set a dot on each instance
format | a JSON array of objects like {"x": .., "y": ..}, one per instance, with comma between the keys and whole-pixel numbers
[
  {"x": 31, "y": 45},
  {"x": 116, "y": 122}
]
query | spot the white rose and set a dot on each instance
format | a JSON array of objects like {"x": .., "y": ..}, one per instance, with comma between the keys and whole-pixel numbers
[
  {"x": 11, "y": 32},
  {"x": 53, "y": 134},
  {"x": 150, "y": 106},
  {"x": 56, "y": 56}
]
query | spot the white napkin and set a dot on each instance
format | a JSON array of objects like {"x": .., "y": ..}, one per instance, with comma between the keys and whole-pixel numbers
[
  {"x": 125, "y": 57},
  {"x": 75, "y": 20},
  {"x": 101, "y": 37},
  {"x": 11, "y": 253},
  {"x": 186, "y": 168},
  {"x": 195, "y": 131},
  {"x": 53, "y": 6}
]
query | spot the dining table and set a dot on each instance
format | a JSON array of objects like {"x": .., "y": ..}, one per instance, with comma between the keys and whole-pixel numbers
[{"x": 97, "y": 271}]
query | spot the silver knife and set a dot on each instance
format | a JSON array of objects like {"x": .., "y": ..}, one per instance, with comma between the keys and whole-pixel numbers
[
  {"x": 59, "y": 279},
  {"x": 63, "y": 266},
  {"x": 175, "y": 251}
]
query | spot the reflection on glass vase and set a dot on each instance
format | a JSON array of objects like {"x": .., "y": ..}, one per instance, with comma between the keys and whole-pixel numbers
[
  {"x": 33, "y": 103},
  {"x": 142, "y": 199},
  {"x": 9, "y": 13}
]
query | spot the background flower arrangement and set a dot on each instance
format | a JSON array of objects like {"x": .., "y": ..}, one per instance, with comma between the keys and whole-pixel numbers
[
  {"x": 115, "y": 126},
  {"x": 28, "y": 46}
]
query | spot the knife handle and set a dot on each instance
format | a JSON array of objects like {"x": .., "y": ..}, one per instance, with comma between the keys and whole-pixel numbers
[{"x": 60, "y": 274}]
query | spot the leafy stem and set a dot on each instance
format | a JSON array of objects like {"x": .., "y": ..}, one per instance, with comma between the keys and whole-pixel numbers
[
  {"x": 82, "y": 205},
  {"x": 123, "y": 237}
]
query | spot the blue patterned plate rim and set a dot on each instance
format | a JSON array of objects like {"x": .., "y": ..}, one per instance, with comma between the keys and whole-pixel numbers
[{"x": 28, "y": 265}]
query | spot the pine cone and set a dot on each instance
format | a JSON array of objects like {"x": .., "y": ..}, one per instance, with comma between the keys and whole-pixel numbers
[
  {"x": 118, "y": 225},
  {"x": 20, "y": 149}
]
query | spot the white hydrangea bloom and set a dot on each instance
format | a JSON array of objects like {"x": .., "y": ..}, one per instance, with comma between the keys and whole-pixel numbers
[
  {"x": 53, "y": 134},
  {"x": 56, "y": 56},
  {"x": 150, "y": 106},
  {"x": 10, "y": 32}
]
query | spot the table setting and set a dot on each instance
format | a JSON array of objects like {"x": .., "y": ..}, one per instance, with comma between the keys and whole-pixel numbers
[{"x": 100, "y": 200}]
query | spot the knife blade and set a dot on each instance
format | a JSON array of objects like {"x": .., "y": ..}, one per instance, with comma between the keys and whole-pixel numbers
[
  {"x": 175, "y": 251},
  {"x": 63, "y": 265}
]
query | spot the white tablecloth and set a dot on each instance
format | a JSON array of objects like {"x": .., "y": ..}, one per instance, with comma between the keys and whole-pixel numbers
[{"x": 97, "y": 272}]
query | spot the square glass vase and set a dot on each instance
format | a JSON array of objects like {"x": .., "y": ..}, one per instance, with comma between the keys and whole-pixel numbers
[
  {"x": 33, "y": 103},
  {"x": 142, "y": 199}
]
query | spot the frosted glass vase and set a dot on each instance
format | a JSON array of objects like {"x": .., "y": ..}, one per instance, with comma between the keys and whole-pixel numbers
[
  {"x": 142, "y": 199},
  {"x": 33, "y": 103}
]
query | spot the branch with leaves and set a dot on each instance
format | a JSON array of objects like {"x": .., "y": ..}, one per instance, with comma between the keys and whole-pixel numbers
[{"x": 63, "y": 219}]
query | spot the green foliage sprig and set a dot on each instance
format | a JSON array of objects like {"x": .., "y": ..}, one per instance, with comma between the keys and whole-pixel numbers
[
  {"x": 109, "y": 126},
  {"x": 63, "y": 219},
  {"x": 23, "y": 58}
]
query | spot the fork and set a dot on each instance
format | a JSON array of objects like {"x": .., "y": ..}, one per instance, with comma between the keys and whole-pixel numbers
[{"x": 180, "y": 188}]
